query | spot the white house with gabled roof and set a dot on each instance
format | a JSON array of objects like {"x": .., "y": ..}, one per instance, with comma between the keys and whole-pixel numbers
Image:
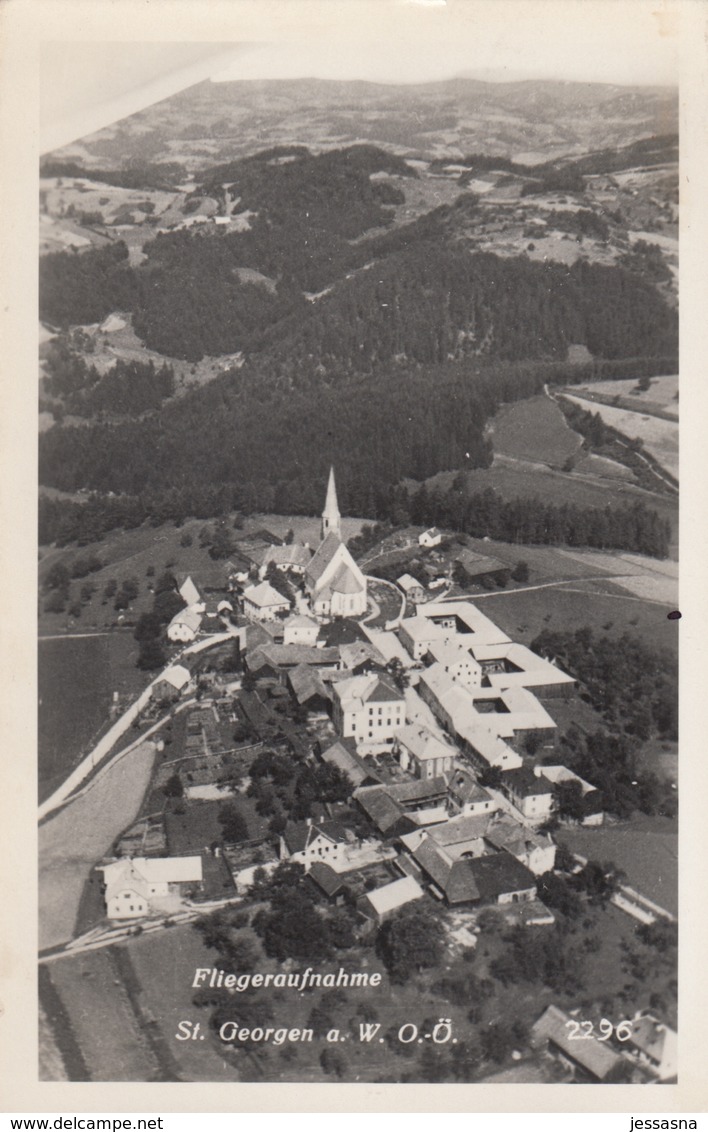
[
  {"x": 263, "y": 602},
  {"x": 370, "y": 709}
]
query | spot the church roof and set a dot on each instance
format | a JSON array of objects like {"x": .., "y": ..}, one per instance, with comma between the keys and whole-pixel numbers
[
  {"x": 345, "y": 581},
  {"x": 331, "y": 507},
  {"x": 322, "y": 557}
]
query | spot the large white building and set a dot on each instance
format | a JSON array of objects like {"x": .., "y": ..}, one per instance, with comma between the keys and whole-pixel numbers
[
  {"x": 335, "y": 584},
  {"x": 135, "y": 887},
  {"x": 369, "y": 709}
]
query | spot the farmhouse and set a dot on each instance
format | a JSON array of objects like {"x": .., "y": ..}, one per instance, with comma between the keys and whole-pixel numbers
[
  {"x": 172, "y": 681},
  {"x": 335, "y": 584},
  {"x": 464, "y": 618},
  {"x": 185, "y": 625},
  {"x": 589, "y": 1059},
  {"x": 342, "y": 754},
  {"x": 430, "y": 538},
  {"x": 305, "y": 842},
  {"x": 513, "y": 714},
  {"x": 419, "y": 633},
  {"x": 263, "y": 603},
  {"x": 411, "y": 587},
  {"x": 480, "y": 567},
  {"x": 655, "y": 1046},
  {"x": 590, "y": 798},
  {"x": 135, "y": 887},
  {"x": 290, "y": 557},
  {"x": 308, "y": 688},
  {"x": 466, "y": 797},
  {"x": 486, "y": 878}
]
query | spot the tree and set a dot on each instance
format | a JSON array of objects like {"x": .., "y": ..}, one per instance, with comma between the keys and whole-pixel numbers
[
  {"x": 293, "y": 929},
  {"x": 599, "y": 881},
  {"x": 569, "y": 796},
  {"x": 149, "y": 626},
  {"x": 413, "y": 939},
  {"x": 56, "y": 602},
  {"x": 497, "y": 1041},
  {"x": 57, "y": 577},
  {"x": 173, "y": 788},
  {"x": 151, "y": 655},
  {"x": 232, "y": 822}
]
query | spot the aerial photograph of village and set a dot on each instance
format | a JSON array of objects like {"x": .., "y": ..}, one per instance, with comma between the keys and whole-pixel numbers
[{"x": 358, "y": 629}]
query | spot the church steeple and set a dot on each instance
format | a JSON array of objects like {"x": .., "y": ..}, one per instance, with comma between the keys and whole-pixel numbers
[{"x": 330, "y": 515}]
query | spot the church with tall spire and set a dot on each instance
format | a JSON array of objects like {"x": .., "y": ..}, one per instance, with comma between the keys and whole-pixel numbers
[{"x": 335, "y": 584}]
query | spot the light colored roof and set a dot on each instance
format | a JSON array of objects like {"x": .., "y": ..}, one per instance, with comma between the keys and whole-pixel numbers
[
  {"x": 591, "y": 1054},
  {"x": 489, "y": 746},
  {"x": 263, "y": 595},
  {"x": 289, "y": 554},
  {"x": 358, "y": 652},
  {"x": 524, "y": 667},
  {"x": 558, "y": 774},
  {"x": 475, "y": 622},
  {"x": 521, "y": 711},
  {"x": 432, "y": 532},
  {"x": 450, "y": 653},
  {"x": 169, "y": 870},
  {"x": 420, "y": 629},
  {"x": 177, "y": 676},
  {"x": 388, "y": 645},
  {"x": 408, "y": 582},
  {"x": 299, "y": 621},
  {"x": 653, "y": 1038},
  {"x": 189, "y": 591},
  {"x": 189, "y": 617},
  {"x": 422, "y": 743},
  {"x": 394, "y": 895},
  {"x": 121, "y": 875}
]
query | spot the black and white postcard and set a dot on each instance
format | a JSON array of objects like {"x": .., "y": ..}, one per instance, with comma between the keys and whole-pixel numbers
[{"x": 357, "y": 551}]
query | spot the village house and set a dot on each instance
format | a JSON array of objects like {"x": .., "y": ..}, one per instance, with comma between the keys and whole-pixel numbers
[
  {"x": 171, "y": 683},
  {"x": 136, "y": 887},
  {"x": 479, "y": 877},
  {"x": 289, "y": 558},
  {"x": 530, "y": 792},
  {"x": 184, "y": 626},
  {"x": 309, "y": 689},
  {"x": 342, "y": 754},
  {"x": 430, "y": 538},
  {"x": 368, "y": 708},
  {"x": 464, "y": 618},
  {"x": 421, "y": 753},
  {"x": 655, "y": 1046},
  {"x": 475, "y": 567},
  {"x": 514, "y": 714},
  {"x": 466, "y": 797},
  {"x": 411, "y": 587},
  {"x": 360, "y": 656},
  {"x": 300, "y": 630},
  {"x": 590, "y": 797},
  {"x": 263, "y": 603},
  {"x": 452, "y": 706},
  {"x": 189, "y": 592},
  {"x": 335, "y": 584},
  {"x": 482, "y": 834},
  {"x": 305, "y": 842},
  {"x": 401, "y": 807},
  {"x": 589, "y": 1060}
]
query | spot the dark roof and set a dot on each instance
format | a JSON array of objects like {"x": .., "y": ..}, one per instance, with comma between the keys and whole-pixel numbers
[
  {"x": 386, "y": 814},
  {"x": 525, "y": 783},
  {"x": 383, "y": 692},
  {"x": 298, "y": 835},
  {"x": 286, "y": 655},
  {"x": 345, "y": 759},
  {"x": 325, "y": 878},
  {"x": 417, "y": 789},
  {"x": 500, "y": 873},
  {"x": 306, "y": 684},
  {"x": 260, "y": 536},
  {"x": 477, "y": 564},
  {"x": 597, "y": 1059}
]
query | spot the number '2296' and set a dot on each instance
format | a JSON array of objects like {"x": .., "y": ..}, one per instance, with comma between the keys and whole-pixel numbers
[{"x": 580, "y": 1030}]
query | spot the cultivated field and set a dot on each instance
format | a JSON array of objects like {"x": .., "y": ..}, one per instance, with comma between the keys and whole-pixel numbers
[
  {"x": 75, "y": 838},
  {"x": 659, "y": 437},
  {"x": 661, "y": 396}
]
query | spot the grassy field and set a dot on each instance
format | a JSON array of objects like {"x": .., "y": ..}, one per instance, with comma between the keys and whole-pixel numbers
[
  {"x": 523, "y": 614},
  {"x": 534, "y": 429},
  {"x": 77, "y": 678},
  {"x": 646, "y": 849}
]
